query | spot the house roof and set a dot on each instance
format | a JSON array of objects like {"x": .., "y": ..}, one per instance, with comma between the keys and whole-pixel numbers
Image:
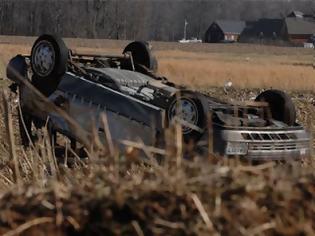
[
  {"x": 296, "y": 14},
  {"x": 266, "y": 27},
  {"x": 234, "y": 27},
  {"x": 300, "y": 26},
  {"x": 301, "y": 15}
]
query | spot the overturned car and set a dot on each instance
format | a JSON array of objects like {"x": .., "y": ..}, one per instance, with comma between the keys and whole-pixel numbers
[{"x": 139, "y": 105}]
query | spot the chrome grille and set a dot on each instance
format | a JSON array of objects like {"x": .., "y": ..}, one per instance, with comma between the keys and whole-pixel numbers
[
  {"x": 268, "y": 136},
  {"x": 283, "y": 146}
]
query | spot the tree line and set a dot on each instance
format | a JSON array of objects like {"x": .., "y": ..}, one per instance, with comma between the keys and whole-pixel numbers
[{"x": 134, "y": 19}]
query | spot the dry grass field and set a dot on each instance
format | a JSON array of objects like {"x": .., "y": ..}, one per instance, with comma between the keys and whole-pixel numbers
[
  {"x": 120, "y": 194},
  {"x": 244, "y": 71},
  {"x": 205, "y": 65}
]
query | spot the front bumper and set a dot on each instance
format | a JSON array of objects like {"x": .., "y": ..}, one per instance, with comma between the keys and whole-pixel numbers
[
  {"x": 264, "y": 144},
  {"x": 279, "y": 150}
]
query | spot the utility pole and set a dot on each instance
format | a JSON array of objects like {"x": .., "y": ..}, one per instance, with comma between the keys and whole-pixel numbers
[{"x": 185, "y": 29}]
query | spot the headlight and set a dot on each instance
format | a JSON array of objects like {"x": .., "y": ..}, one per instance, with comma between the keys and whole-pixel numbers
[{"x": 236, "y": 148}]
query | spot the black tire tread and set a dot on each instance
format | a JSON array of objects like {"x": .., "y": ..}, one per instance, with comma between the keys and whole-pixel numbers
[
  {"x": 281, "y": 105},
  {"x": 142, "y": 55}
]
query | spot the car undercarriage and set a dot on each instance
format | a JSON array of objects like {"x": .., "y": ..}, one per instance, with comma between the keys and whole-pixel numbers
[{"x": 138, "y": 105}]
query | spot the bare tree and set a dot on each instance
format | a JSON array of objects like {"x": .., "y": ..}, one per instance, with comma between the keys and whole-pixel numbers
[{"x": 135, "y": 19}]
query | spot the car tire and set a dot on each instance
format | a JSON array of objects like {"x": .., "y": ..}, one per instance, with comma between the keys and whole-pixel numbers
[
  {"x": 17, "y": 69},
  {"x": 141, "y": 55},
  {"x": 194, "y": 105},
  {"x": 49, "y": 58},
  {"x": 281, "y": 105}
]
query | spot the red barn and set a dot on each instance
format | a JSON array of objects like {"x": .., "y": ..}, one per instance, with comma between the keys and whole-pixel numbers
[
  {"x": 224, "y": 31},
  {"x": 299, "y": 30}
]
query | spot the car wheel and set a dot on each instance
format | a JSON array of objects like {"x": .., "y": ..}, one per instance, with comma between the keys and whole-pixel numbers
[
  {"x": 141, "y": 55},
  {"x": 280, "y": 104},
  {"x": 191, "y": 112},
  {"x": 49, "y": 58}
]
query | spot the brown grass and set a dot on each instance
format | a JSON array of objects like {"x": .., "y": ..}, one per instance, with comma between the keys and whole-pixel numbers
[
  {"x": 132, "y": 196},
  {"x": 123, "y": 194},
  {"x": 245, "y": 71}
]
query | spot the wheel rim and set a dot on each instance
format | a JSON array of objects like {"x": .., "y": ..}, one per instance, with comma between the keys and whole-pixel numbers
[
  {"x": 187, "y": 111},
  {"x": 43, "y": 58}
]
